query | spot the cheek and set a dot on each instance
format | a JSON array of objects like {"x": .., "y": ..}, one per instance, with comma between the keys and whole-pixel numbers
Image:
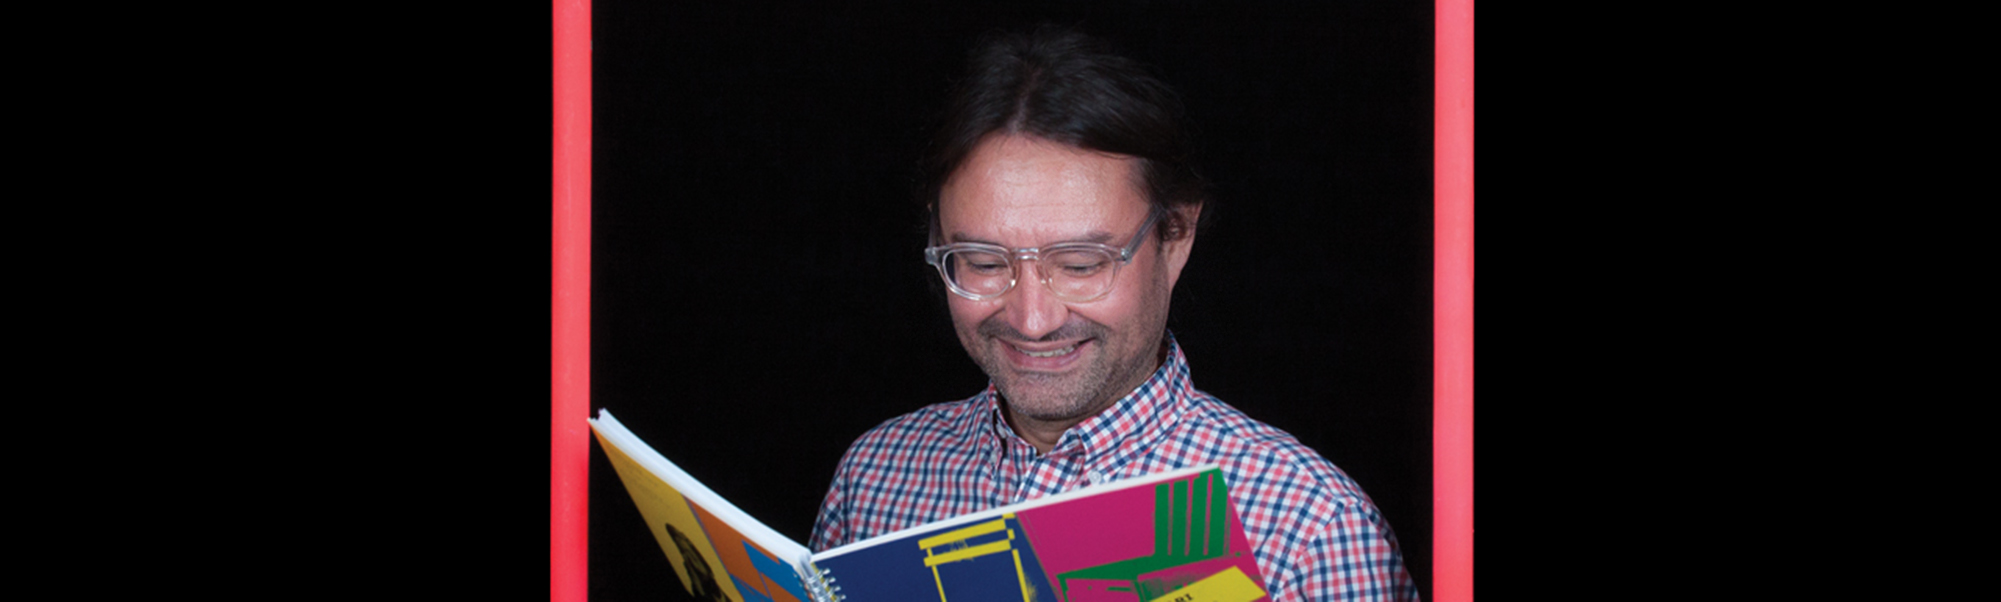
[
  {"x": 1137, "y": 296},
  {"x": 967, "y": 314},
  {"x": 1109, "y": 311}
]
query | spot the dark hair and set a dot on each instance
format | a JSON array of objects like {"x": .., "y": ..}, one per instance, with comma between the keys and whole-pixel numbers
[{"x": 1063, "y": 86}]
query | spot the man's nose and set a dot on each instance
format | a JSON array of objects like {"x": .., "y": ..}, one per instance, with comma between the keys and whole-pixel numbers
[{"x": 1032, "y": 309}]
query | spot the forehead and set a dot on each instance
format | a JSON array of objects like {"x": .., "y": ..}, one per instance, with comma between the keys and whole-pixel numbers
[{"x": 1020, "y": 187}]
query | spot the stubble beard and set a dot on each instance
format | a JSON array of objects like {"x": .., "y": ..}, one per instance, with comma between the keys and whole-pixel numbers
[
  {"x": 1104, "y": 377},
  {"x": 1046, "y": 396}
]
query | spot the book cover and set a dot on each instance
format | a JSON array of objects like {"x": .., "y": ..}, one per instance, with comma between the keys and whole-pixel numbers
[
  {"x": 720, "y": 553},
  {"x": 1166, "y": 537},
  {"x": 1169, "y": 536}
]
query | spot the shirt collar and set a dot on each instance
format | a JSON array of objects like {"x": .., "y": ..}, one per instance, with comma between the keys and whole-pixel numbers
[{"x": 1149, "y": 410}]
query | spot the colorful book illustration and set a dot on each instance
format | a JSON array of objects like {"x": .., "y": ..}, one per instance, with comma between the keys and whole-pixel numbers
[{"x": 1166, "y": 537}]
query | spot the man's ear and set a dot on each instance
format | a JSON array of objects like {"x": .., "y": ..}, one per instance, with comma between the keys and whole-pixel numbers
[{"x": 1177, "y": 248}]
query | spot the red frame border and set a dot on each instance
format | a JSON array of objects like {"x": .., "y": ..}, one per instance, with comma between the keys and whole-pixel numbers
[
  {"x": 570, "y": 301},
  {"x": 1452, "y": 304}
]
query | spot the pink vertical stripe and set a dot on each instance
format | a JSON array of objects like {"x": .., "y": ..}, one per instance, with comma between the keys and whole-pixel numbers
[
  {"x": 570, "y": 370},
  {"x": 1452, "y": 304}
]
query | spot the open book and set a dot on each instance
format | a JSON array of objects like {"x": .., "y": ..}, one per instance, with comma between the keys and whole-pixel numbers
[{"x": 1171, "y": 537}]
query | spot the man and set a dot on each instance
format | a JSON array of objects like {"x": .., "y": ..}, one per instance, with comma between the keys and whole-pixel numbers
[{"x": 1063, "y": 209}]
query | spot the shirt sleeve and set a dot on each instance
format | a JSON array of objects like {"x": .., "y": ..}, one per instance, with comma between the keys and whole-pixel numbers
[
  {"x": 1351, "y": 557},
  {"x": 830, "y": 528}
]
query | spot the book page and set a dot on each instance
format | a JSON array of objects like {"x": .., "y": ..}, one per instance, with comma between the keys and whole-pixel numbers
[{"x": 719, "y": 552}]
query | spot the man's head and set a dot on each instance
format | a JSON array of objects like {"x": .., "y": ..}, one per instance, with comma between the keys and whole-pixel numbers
[
  {"x": 1063, "y": 86},
  {"x": 1052, "y": 140}
]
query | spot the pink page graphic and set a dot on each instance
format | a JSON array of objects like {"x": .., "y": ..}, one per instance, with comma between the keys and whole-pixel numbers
[{"x": 1137, "y": 544}]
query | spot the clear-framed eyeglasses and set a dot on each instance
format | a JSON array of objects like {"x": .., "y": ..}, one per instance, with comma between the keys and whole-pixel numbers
[{"x": 1075, "y": 272}]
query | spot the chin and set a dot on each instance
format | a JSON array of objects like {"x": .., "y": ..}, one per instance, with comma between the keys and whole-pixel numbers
[
  {"x": 1048, "y": 410},
  {"x": 1049, "y": 401}
]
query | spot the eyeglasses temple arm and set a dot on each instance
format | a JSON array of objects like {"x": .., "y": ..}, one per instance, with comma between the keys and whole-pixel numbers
[{"x": 1126, "y": 254}]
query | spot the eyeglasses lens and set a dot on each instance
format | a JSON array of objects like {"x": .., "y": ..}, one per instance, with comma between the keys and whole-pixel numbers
[{"x": 1076, "y": 274}]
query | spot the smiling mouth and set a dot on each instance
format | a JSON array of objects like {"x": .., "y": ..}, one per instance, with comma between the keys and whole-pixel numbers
[
  {"x": 1049, "y": 353},
  {"x": 1055, "y": 351}
]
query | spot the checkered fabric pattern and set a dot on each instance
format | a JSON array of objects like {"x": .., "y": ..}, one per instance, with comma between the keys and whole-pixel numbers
[{"x": 1315, "y": 534}]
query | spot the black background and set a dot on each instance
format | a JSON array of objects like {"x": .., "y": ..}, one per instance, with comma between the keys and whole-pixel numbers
[{"x": 759, "y": 295}]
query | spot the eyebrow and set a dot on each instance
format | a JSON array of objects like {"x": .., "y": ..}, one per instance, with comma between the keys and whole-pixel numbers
[{"x": 1097, "y": 236}]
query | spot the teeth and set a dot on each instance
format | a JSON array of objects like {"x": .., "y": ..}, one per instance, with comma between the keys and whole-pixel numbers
[{"x": 1051, "y": 353}]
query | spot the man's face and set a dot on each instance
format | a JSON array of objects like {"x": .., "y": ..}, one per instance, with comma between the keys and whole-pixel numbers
[{"x": 1052, "y": 360}]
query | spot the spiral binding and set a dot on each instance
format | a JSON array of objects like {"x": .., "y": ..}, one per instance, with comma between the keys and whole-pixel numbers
[{"x": 820, "y": 583}]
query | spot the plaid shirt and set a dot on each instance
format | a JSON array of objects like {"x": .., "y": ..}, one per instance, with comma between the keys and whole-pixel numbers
[{"x": 1315, "y": 534}]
